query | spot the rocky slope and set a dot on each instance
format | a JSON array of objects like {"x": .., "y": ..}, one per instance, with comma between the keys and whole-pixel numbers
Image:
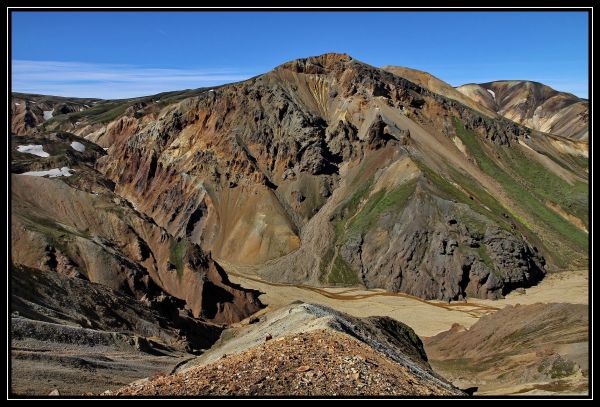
[
  {"x": 64, "y": 328},
  {"x": 537, "y": 349},
  {"x": 330, "y": 171},
  {"x": 91, "y": 270},
  {"x": 436, "y": 85},
  {"x": 76, "y": 225},
  {"x": 534, "y": 105},
  {"x": 306, "y": 350}
]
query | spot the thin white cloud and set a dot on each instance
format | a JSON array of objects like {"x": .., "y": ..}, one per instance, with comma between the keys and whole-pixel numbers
[{"x": 111, "y": 81}]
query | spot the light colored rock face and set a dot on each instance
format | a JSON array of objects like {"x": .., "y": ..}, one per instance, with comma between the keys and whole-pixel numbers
[
  {"x": 396, "y": 340},
  {"x": 533, "y": 105}
]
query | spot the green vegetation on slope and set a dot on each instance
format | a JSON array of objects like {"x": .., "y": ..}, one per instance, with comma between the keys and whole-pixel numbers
[
  {"x": 546, "y": 185},
  {"x": 356, "y": 216},
  {"x": 380, "y": 202},
  {"x": 477, "y": 199},
  {"x": 543, "y": 216},
  {"x": 342, "y": 273},
  {"x": 485, "y": 257},
  {"x": 103, "y": 112},
  {"x": 581, "y": 161},
  {"x": 178, "y": 249},
  {"x": 324, "y": 264}
]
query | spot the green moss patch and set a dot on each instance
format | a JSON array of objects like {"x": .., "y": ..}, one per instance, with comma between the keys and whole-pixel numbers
[
  {"x": 382, "y": 201},
  {"x": 342, "y": 273},
  {"x": 178, "y": 250}
]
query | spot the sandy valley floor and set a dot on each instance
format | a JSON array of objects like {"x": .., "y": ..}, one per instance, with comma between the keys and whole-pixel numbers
[{"x": 427, "y": 318}]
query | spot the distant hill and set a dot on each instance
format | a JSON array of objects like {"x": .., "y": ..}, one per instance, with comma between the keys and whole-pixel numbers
[{"x": 534, "y": 105}]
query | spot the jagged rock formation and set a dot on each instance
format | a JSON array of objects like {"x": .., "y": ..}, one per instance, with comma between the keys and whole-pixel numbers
[
  {"x": 101, "y": 309},
  {"x": 534, "y": 105},
  {"x": 525, "y": 349},
  {"x": 313, "y": 350}
]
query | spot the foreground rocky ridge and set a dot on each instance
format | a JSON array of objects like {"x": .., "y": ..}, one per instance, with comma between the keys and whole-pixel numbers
[{"x": 306, "y": 349}]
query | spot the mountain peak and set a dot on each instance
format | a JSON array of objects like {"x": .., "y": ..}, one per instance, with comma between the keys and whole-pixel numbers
[{"x": 316, "y": 64}]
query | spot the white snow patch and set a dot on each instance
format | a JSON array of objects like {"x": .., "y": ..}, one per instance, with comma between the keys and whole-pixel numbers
[
  {"x": 47, "y": 114},
  {"x": 492, "y": 93},
  {"x": 105, "y": 148},
  {"x": 211, "y": 90},
  {"x": 55, "y": 172},
  {"x": 81, "y": 109},
  {"x": 77, "y": 146},
  {"x": 35, "y": 149},
  {"x": 17, "y": 104}
]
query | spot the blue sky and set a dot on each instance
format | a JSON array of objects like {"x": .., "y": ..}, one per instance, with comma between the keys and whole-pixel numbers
[{"x": 126, "y": 54}]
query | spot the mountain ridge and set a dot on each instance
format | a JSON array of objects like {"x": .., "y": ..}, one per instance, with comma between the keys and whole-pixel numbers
[
  {"x": 324, "y": 171},
  {"x": 533, "y": 104},
  {"x": 310, "y": 96}
]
